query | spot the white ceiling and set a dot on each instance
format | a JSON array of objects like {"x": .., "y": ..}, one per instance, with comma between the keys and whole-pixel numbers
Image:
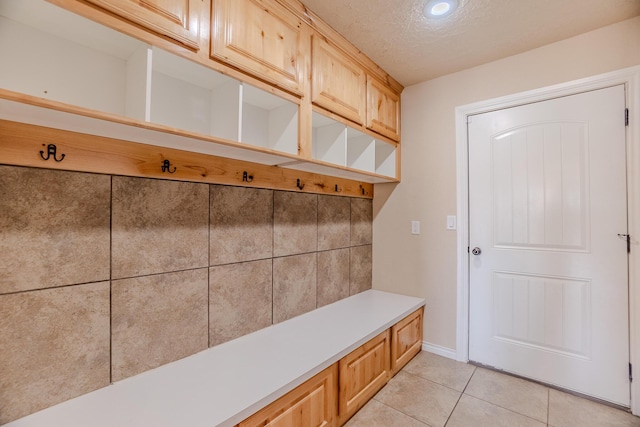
[{"x": 412, "y": 48}]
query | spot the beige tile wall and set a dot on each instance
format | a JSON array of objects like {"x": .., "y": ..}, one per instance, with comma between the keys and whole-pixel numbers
[{"x": 104, "y": 277}]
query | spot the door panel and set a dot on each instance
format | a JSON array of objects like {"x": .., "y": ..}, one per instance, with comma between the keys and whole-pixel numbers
[
  {"x": 562, "y": 327},
  {"x": 547, "y": 199},
  {"x": 177, "y": 19},
  {"x": 547, "y": 163},
  {"x": 337, "y": 83},
  {"x": 260, "y": 37},
  {"x": 383, "y": 109}
]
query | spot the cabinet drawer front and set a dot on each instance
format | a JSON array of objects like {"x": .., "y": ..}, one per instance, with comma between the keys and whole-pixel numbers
[
  {"x": 362, "y": 373},
  {"x": 406, "y": 337},
  {"x": 312, "y": 404},
  {"x": 338, "y": 83},
  {"x": 260, "y": 37},
  {"x": 177, "y": 19},
  {"x": 383, "y": 109}
]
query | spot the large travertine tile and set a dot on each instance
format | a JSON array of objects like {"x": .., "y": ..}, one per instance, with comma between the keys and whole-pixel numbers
[
  {"x": 295, "y": 223},
  {"x": 361, "y": 221},
  {"x": 294, "y": 286},
  {"x": 515, "y": 394},
  {"x": 334, "y": 222},
  {"x": 376, "y": 414},
  {"x": 240, "y": 299},
  {"x": 158, "y": 226},
  {"x": 441, "y": 370},
  {"x": 477, "y": 413},
  {"x": 418, "y": 398},
  {"x": 54, "y": 345},
  {"x": 157, "y": 319},
  {"x": 360, "y": 270},
  {"x": 54, "y": 228},
  {"x": 241, "y": 224},
  {"x": 566, "y": 410},
  {"x": 333, "y": 276}
]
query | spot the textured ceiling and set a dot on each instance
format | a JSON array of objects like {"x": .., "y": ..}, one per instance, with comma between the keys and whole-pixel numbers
[{"x": 412, "y": 48}]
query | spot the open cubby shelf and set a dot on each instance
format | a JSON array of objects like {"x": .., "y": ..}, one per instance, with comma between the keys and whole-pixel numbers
[
  {"x": 77, "y": 62},
  {"x": 336, "y": 143}
]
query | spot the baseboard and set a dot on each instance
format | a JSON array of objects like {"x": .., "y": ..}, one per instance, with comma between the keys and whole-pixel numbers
[{"x": 439, "y": 350}]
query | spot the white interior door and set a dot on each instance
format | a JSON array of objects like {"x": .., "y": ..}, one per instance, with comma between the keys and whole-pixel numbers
[{"x": 547, "y": 200}]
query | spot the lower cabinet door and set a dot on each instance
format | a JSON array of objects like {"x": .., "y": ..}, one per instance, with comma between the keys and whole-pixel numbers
[
  {"x": 406, "y": 340},
  {"x": 363, "y": 372},
  {"x": 312, "y": 404}
]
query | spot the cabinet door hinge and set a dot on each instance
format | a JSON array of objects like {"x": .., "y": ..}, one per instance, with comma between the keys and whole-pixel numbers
[
  {"x": 626, "y": 117},
  {"x": 627, "y": 238},
  {"x": 630, "y": 373}
]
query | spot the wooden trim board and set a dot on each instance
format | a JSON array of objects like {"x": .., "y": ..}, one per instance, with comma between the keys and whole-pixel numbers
[{"x": 20, "y": 145}]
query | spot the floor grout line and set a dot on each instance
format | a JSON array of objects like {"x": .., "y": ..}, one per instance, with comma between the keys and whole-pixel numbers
[
  {"x": 508, "y": 413},
  {"x": 460, "y": 397},
  {"x": 399, "y": 410}
]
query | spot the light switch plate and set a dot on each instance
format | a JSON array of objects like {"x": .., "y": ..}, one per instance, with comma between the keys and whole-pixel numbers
[
  {"x": 451, "y": 222},
  {"x": 415, "y": 227}
]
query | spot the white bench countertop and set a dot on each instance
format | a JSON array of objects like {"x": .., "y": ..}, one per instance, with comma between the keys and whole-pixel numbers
[{"x": 225, "y": 384}]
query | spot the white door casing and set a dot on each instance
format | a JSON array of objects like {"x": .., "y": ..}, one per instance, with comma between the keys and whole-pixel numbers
[
  {"x": 547, "y": 199},
  {"x": 630, "y": 78}
]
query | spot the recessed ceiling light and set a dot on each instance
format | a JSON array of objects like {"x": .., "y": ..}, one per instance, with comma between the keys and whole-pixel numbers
[{"x": 439, "y": 8}]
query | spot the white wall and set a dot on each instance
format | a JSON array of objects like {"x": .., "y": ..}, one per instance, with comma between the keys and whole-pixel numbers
[{"x": 425, "y": 265}]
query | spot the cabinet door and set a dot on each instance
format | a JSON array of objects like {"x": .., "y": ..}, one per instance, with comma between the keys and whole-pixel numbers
[
  {"x": 363, "y": 372},
  {"x": 406, "y": 340},
  {"x": 338, "y": 83},
  {"x": 176, "y": 19},
  {"x": 383, "y": 109},
  {"x": 312, "y": 404},
  {"x": 260, "y": 37}
]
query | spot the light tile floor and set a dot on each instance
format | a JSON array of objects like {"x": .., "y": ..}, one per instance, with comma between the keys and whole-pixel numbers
[{"x": 435, "y": 391}]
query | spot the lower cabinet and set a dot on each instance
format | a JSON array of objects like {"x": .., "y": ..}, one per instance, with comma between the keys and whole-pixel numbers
[
  {"x": 337, "y": 393},
  {"x": 363, "y": 372},
  {"x": 406, "y": 340},
  {"x": 312, "y": 404}
]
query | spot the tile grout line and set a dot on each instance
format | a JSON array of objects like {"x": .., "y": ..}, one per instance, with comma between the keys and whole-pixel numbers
[
  {"x": 548, "y": 405},
  {"x": 395, "y": 409},
  {"x": 273, "y": 250},
  {"x": 460, "y": 397},
  {"x": 162, "y": 273},
  {"x": 111, "y": 280},
  {"x": 350, "y": 242},
  {"x": 210, "y": 199},
  {"x": 317, "y": 244},
  {"x": 70, "y": 285},
  {"x": 502, "y": 407},
  {"x": 433, "y": 382}
]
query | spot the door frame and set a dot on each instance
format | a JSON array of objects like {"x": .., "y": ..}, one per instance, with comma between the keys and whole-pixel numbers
[{"x": 630, "y": 77}]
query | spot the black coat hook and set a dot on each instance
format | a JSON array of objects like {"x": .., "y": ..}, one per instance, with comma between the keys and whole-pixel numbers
[
  {"x": 338, "y": 190},
  {"x": 166, "y": 167},
  {"x": 299, "y": 184},
  {"x": 51, "y": 153},
  {"x": 246, "y": 177}
]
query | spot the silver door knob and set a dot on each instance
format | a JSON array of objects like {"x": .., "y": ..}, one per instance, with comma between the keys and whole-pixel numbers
[{"x": 476, "y": 251}]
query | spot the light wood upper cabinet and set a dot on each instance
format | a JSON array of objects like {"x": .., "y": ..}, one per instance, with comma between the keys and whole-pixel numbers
[
  {"x": 176, "y": 19},
  {"x": 312, "y": 404},
  {"x": 406, "y": 340},
  {"x": 383, "y": 109},
  {"x": 338, "y": 83},
  {"x": 260, "y": 37}
]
